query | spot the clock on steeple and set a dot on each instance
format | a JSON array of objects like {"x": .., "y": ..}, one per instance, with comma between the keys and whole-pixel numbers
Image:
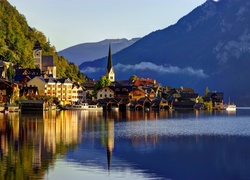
[{"x": 37, "y": 54}]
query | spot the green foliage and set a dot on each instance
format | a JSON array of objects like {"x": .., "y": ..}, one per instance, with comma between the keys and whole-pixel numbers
[
  {"x": 208, "y": 105},
  {"x": 133, "y": 77},
  {"x": 102, "y": 82},
  {"x": 200, "y": 100},
  {"x": 10, "y": 72},
  {"x": 23, "y": 98},
  {"x": 17, "y": 40},
  {"x": 206, "y": 92}
]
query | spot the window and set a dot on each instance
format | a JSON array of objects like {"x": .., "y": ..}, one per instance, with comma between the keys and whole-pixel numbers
[{"x": 125, "y": 90}]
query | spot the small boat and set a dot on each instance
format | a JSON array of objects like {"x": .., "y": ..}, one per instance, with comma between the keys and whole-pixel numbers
[
  {"x": 231, "y": 107},
  {"x": 84, "y": 106}
]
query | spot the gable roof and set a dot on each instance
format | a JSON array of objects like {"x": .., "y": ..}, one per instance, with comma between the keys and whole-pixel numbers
[
  {"x": 37, "y": 45},
  {"x": 48, "y": 61},
  {"x": 28, "y": 71},
  {"x": 189, "y": 95},
  {"x": 21, "y": 77}
]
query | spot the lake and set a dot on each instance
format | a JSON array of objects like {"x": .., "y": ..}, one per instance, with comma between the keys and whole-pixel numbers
[{"x": 125, "y": 145}]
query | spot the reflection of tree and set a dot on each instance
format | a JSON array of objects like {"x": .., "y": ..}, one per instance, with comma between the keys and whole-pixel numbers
[{"x": 30, "y": 143}]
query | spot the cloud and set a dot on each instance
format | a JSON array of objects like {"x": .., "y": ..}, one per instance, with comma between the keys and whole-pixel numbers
[
  {"x": 164, "y": 69},
  {"x": 90, "y": 70}
]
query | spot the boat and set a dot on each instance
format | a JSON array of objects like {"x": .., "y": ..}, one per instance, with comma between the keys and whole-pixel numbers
[
  {"x": 84, "y": 106},
  {"x": 231, "y": 107}
]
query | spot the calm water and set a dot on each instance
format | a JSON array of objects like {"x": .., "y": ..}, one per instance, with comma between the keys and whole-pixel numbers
[{"x": 131, "y": 145}]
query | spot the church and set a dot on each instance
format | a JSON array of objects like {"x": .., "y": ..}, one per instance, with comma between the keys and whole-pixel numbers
[
  {"x": 110, "y": 73},
  {"x": 45, "y": 63}
]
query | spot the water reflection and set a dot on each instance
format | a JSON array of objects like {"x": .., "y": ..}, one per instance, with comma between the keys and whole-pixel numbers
[
  {"x": 30, "y": 142},
  {"x": 124, "y": 144}
]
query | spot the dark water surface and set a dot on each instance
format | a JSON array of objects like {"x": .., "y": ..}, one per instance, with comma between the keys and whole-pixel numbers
[{"x": 125, "y": 145}]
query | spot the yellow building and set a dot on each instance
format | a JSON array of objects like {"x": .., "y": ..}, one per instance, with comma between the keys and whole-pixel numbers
[{"x": 60, "y": 88}]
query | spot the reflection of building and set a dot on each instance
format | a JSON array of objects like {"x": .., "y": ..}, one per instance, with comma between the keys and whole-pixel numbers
[
  {"x": 31, "y": 146},
  {"x": 110, "y": 140}
]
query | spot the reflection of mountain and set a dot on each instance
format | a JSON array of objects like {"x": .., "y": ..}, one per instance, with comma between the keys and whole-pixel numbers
[
  {"x": 29, "y": 143},
  {"x": 178, "y": 148}
]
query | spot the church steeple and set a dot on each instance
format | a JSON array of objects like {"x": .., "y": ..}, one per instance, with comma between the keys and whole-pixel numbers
[
  {"x": 110, "y": 73},
  {"x": 37, "y": 54}
]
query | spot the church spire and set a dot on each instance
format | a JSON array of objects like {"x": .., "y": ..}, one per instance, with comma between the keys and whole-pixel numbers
[
  {"x": 110, "y": 73},
  {"x": 109, "y": 65}
]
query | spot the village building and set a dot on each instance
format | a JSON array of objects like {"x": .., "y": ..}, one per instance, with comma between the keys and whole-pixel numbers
[
  {"x": 135, "y": 94},
  {"x": 216, "y": 98},
  {"x": 55, "y": 87},
  {"x": 78, "y": 93},
  {"x": 89, "y": 87},
  {"x": 105, "y": 92}
]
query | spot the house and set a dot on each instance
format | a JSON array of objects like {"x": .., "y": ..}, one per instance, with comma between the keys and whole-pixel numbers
[
  {"x": 59, "y": 88},
  {"x": 63, "y": 88},
  {"x": 160, "y": 103},
  {"x": 150, "y": 92},
  {"x": 216, "y": 98},
  {"x": 78, "y": 94},
  {"x": 28, "y": 91},
  {"x": 135, "y": 94},
  {"x": 122, "y": 92},
  {"x": 89, "y": 87},
  {"x": 186, "y": 101},
  {"x": 105, "y": 92},
  {"x": 8, "y": 91},
  {"x": 146, "y": 82},
  {"x": 40, "y": 83},
  {"x": 35, "y": 105}
]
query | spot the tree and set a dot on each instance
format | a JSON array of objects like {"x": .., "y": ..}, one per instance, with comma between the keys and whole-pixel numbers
[
  {"x": 206, "y": 92},
  {"x": 102, "y": 82},
  {"x": 10, "y": 72},
  {"x": 133, "y": 77}
]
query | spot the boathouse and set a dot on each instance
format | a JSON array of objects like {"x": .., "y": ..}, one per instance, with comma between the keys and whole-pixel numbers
[{"x": 32, "y": 105}]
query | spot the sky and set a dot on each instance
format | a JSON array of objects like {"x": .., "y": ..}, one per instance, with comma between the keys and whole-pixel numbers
[{"x": 68, "y": 23}]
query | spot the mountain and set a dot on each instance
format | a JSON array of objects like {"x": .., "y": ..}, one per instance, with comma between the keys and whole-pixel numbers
[
  {"x": 91, "y": 51},
  {"x": 209, "y": 47}
]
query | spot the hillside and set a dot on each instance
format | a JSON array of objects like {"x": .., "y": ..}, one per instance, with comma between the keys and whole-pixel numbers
[
  {"x": 17, "y": 40},
  {"x": 208, "y": 47},
  {"x": 91, "y": 51}
]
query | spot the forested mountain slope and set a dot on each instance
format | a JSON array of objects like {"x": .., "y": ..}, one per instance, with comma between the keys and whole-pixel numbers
[{"x": 17, "y": 40}]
